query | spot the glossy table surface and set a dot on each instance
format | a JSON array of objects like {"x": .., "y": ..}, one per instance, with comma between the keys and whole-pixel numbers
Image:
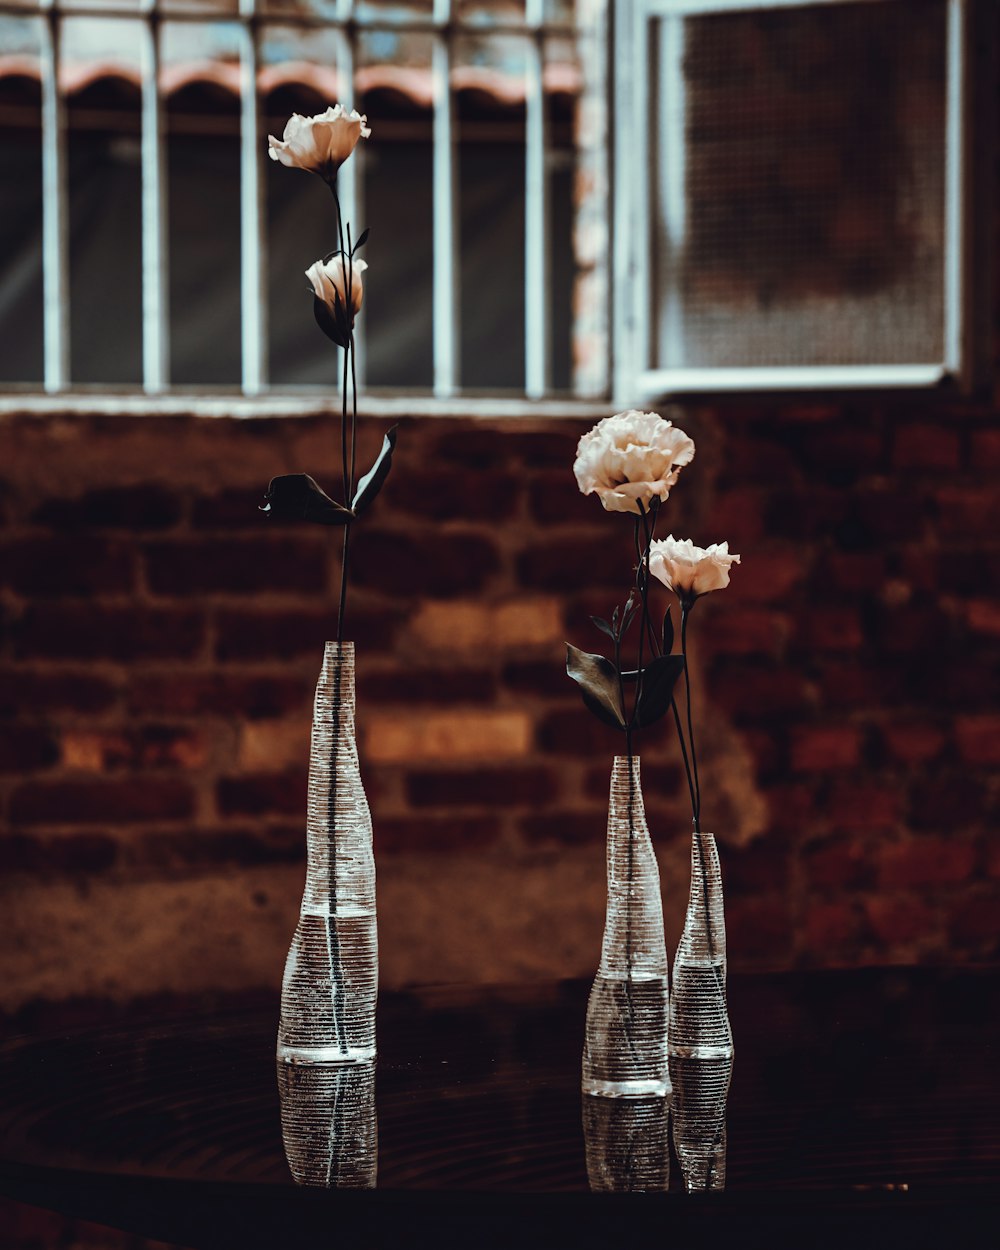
[{"x": 863, "y": 1107}]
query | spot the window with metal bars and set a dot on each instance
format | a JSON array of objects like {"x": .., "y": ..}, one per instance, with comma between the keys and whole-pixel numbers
[
  {"x": 791, "y": 203},
  {"x": 148, "y": 245}
]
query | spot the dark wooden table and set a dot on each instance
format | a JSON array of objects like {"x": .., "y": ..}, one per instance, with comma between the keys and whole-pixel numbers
[{"x": 863, "y": 1110}]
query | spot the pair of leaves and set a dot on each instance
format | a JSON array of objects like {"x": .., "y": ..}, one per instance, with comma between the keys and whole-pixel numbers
[
  {"x": 618, "y": 628},
  {"x": 298, "y": 497},
  {"x": 601, "y": 688}
]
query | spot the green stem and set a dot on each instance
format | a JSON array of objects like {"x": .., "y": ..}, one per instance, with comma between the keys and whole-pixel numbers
[
  {"x": 343, "y": 431},
  {"x": 684, "y": 753},
  {"x": 343, "y": 585},
  {"x": 354, "y": 417},
  {"x": 685, "y": 609}
]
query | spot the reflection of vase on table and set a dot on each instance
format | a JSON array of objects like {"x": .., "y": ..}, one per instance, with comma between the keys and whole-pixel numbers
[
  {"x": 328, "y": 1125},
  {"x": 627, "y": 1144},
  {"x": 701, "y": 1087}
]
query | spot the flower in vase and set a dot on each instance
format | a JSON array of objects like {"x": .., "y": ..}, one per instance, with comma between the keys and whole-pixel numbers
[
  {"x": 319, "y": 144},
  {"x": 630, "y": 459},
  {"x": 330, "y": 278},
  {"x": 690, "y": 571}
]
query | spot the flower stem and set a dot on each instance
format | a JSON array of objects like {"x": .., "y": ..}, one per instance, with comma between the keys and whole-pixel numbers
[
  {"x": 354, "y": 416},
  {"x": 685, "y": 609},
  {"x": 684, "y": 752},
  {"x": 343, "y": 430},
  {"x": 343, "y": 585}
]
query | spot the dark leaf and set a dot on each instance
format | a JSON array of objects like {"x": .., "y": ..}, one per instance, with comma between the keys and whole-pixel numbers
[
  {"x": 297, "y": 497},
  {"x": 598, "y": 684},
  {"x": 668, "y": 633},
  {"x": 331, "y": 326},
  {"x": 658, "y": 680},
  {"x": 603, "y": 626},
  {"x": 374, "y": 479},
  {"x": 362, "y": 239}
]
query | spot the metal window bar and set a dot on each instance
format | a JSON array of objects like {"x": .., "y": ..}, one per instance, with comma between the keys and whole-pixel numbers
[
  {"x": 253, "y": 220},
  {"x": 445, "y": 236},
  {"x": 155, "y": 320},
  {"x": 954, "y": 223},
  {"x": 537, "y": 346},
  {"x": 442, "y": 25},
  {"x": 349, "y": 178},
  {"x": 55, "y": 243}
]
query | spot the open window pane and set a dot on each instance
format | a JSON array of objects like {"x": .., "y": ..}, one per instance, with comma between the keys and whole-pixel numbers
[
  {"x": 21, "y": 284},
  {"x": 394, "y": 79},
  {"x": 200, "y": 80},
  {"x": 489, "y": 78},
  {"x": 799, "y": 211},
  {"x": 101, "y": 74}
]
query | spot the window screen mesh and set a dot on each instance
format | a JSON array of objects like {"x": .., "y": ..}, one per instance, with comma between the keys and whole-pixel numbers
[{"x": 800, "y": 207}]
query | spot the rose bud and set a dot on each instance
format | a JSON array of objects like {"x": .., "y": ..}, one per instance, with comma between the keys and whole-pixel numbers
[{"x": 329, "y": 280}]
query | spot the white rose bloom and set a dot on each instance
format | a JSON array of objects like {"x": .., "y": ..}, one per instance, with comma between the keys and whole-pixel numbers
[
  {"x": 631, "y": 458},
  {"x": 319, "y": 144},
  {"x": 690, "y": 571},
  {"x": 329, "y": 279}
]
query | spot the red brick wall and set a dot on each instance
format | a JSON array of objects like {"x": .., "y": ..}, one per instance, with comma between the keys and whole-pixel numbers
[{"x": 161, "y": 641}]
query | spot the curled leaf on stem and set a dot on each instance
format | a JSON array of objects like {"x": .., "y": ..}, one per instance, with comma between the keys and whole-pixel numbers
[
  {"x": 374, "y": 479},
  {"x": 298, "y": 497},
  {"x": 599, "y": 685}
]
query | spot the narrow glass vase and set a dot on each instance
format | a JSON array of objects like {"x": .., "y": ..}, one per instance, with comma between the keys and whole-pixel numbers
[
  {"x": 331, "y": 974},
  {"x": 625, "y": 1043},
  {"x": 699, "y": 1015}
]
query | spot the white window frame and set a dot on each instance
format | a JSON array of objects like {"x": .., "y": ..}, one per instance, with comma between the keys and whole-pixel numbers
[
  {"x": 635, "y": 377},
  {"x": 444, "y": 25}
]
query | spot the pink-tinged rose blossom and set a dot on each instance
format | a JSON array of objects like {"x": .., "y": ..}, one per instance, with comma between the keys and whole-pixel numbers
[
  {"x": 690, "y": 571},
  {"x": 319, "y": 144},
  {"x": 329, "y": 282},
  {"x": 630, "y": 459}
]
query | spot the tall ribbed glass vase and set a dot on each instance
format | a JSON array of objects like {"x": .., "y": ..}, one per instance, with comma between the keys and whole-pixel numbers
[
  {"x": 699, "y": 1015},
  {"x": 625, "y": 1043},
  {"x": 331, "y": 974}
]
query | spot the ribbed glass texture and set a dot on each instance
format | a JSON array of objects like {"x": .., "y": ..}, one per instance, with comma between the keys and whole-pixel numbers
[
  {"x": 701, "y": 1087},
  {"x": 331, "y": 974},
  {"x": 699, "y": 1017},
  {"x": 625, "y": 1045},
  {"x": 627, "y": 1144},
  {"x": 328, "y": 1124}
]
